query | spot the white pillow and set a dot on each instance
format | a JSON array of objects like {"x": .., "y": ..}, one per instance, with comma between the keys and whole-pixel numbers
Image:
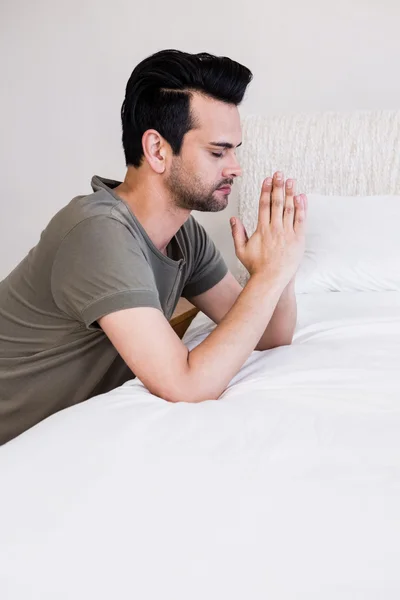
[{"x": 353, "y": 244}]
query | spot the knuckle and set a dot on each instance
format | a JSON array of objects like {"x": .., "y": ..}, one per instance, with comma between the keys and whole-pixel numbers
[
  {"x": 289, "y": 210},
  {"x": 277, "y": 202},
  {"x": 265, "y": 202}
]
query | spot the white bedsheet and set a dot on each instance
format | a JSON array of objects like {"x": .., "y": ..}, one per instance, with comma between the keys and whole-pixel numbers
[{"x": 288, "y": 487}]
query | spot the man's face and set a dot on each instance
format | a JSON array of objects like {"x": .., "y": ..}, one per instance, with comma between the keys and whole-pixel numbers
[{"x": 207, "y": 161}]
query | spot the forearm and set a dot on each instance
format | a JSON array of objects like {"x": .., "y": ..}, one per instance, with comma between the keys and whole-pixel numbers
[
  {"x": 281, "y": 327},
  {"x": 214, "y": 362}
]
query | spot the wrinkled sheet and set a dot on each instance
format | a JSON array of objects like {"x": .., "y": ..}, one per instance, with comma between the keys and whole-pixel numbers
[{"x": 287, "y": 487}]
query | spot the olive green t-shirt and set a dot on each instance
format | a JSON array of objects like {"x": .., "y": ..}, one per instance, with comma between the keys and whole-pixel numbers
[{"x": 93, "y": 258}]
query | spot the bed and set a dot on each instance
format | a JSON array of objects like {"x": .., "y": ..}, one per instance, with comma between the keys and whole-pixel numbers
[{"x": 288, "y": 486}]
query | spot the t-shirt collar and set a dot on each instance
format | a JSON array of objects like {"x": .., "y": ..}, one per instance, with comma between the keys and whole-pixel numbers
[{"x": 102, "y": 183}]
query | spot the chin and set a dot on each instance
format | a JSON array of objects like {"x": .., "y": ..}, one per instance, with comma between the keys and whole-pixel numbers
[
  {"x": 218, "y": 205},
  {"x": 221, "y": 199},
  {"x": 214, "y": 207}
]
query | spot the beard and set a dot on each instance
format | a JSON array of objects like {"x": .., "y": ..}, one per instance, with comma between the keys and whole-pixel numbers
[{"x": 188, "y": 191}]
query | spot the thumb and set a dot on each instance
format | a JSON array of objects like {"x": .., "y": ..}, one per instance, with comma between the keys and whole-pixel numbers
[{"x": 239, "y": 234}]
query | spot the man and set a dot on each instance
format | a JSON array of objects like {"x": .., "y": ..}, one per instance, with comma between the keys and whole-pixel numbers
[{"x": 88, "y": 307}]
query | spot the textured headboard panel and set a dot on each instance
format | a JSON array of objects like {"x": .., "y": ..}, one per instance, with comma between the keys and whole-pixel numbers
[{"x": 332, "y": 153}]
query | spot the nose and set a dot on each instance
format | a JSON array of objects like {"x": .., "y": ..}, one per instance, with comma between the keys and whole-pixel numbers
[{"x": 233, "y": 169}]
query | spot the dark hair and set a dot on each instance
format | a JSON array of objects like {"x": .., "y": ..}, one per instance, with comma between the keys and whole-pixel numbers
[{"x": 158, "y": 95}]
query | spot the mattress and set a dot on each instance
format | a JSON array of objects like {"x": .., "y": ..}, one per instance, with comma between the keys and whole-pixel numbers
[{"x": 288, "y": 486}]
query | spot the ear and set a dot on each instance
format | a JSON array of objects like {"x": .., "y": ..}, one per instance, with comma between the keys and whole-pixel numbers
[{"x": 155, "y": 150}]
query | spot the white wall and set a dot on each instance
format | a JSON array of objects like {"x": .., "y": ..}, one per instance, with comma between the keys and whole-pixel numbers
[{"x": 65, "y": 65}]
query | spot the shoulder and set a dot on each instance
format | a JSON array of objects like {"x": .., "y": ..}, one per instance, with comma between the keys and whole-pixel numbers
[{"x": 95, "y": 214}]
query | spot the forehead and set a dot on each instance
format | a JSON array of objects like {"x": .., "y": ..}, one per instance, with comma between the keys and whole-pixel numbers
[{"x": 215, "y": 120}]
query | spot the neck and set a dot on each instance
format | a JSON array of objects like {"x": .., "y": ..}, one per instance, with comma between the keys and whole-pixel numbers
[{"x": 152, "y": 206}]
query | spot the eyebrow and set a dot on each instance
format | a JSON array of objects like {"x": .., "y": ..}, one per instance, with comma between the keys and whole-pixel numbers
[{"x": 224, "y": 145}]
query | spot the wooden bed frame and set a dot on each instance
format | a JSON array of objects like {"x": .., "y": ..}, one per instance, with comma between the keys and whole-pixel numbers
[{"x": 183, "y": 315}]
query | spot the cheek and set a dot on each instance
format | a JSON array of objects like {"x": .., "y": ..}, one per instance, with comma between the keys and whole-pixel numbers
[
  {"x": 214, "y": 170},
  {"x": 207, "y": 171}
]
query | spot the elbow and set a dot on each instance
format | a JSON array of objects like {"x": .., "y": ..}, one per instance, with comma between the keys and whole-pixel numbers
[
  {"x": 272, "y": 344},
  {"x": 287, "y": 342},
  {"x": 192, "y": 386},
  {"x": 186, "y": 391},
  {"x": 188, "y": 383}
]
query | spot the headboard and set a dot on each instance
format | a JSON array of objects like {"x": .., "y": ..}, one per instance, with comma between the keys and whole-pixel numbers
[{"x": 331, "y": 153}]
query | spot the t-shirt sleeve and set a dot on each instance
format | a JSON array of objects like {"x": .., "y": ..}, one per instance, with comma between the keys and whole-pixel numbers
[
  {"x": 209, "y": 266},
  {"x": 98, "y": 269}
]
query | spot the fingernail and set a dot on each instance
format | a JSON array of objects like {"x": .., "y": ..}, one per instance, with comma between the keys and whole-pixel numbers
[
  {"x": 279, "y": 175},
  {"x": 233, "y": 222},
  {"x": 268, "y": 181},
  {"x": 289, "y": 183}
]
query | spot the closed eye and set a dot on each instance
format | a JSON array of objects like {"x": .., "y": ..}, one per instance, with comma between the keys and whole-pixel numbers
[{"x": 218, "y": 155}]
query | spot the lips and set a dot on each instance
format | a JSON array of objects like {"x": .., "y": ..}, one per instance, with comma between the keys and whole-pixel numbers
[{"x": 226, "y": 189}]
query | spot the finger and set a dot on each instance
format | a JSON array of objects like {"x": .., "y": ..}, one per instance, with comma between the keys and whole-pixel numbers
[
  {"x": 277, "y": 199},
  {"x": 305, "y": 203},
  {"x": 246, "y": 237},
  {"x": 299, "y": 216},
  {"x": 239, "y": 234},
  {"x": 288, "y": 213},
  {"x": 264, "y": 207}
]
